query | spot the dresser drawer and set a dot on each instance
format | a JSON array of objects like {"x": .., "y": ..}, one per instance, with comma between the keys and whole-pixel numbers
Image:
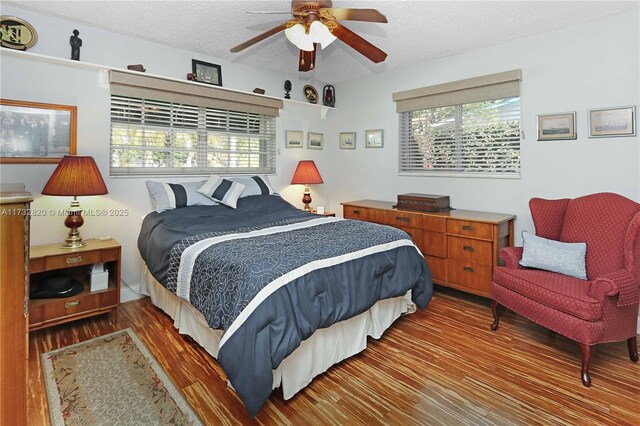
[
  {"x": 433, "y": 223},
  {"x": 415, "y": 234},
  {"x": 359, "y": 213},
  {"x": 469, "y": 275},
  {"x": 398, "y": 218},
  {"x": 438, "y": 267},
  {"x": 470, "y": 229},
  {"x": 59, "y": 309},
  {"x": 434, "y": 243},
  {"x": 469, "y": 250}
]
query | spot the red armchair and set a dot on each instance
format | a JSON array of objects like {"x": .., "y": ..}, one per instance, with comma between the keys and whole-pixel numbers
[{"x": 602, "y": 309}]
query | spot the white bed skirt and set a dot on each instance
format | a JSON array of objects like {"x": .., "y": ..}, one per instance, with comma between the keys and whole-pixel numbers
[{"x": 314, "y": 356}]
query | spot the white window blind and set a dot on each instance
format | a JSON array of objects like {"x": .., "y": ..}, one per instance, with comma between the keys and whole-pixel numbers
[
  {"x": 470, "y": 128},
  {"x": 152, "y": 137}
]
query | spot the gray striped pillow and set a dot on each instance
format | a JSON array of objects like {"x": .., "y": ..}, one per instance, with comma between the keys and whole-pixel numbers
[
  {"x": 222, "y": 190},
  {"x": 168, "y": 196}
]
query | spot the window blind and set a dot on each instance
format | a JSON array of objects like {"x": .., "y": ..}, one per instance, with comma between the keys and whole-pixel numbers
[{"x": 155, "y": 137}]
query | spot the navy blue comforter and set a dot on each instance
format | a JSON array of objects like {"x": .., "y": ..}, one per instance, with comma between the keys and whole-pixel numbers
[{"x": 269, "y": 275}]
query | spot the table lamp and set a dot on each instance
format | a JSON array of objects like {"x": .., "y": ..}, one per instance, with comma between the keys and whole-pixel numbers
[
  {"x": 76, "y": 175},
  {"x": 306, "y": 174}
]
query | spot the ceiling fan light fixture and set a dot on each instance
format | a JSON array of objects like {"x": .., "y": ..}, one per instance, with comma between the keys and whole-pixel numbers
[
  {"x": 320, "y": 33},
  {"x": 297, "y": 35}
]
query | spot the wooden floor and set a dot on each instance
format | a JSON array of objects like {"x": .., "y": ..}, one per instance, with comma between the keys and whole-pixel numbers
[{"x": 441, "y": 366}]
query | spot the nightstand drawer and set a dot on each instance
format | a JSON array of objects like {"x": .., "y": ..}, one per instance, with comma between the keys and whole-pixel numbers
[
  {"x": 469, "y": 250},
  {"x": 398, "y": 218},
  {"x": 470, "y": 229},
  {"x": 57, "y": 310},
  {"x": 470, "y": 275},
  {"x": 72, "y": 259}
]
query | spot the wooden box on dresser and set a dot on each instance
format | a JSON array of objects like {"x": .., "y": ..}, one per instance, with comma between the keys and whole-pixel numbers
[
  {"x": 461, "y": 246},
  {"x": 14, "y": 348},
  {"x": 49, "y": 260}
]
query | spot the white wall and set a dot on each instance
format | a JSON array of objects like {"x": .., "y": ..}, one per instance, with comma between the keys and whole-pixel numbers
[
  {"x": 31, "y": 79},
  {"x": 589, "y": 66}
]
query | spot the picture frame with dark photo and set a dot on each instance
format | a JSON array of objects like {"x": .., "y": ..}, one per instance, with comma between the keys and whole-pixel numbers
[
  {"x": 34, "y": 132},
  {"x": 315, "y": 140},
  {"x": 206, "y": 72},
  {"x": 348, "y": 140},
  {"x": 373, "y": 138},
  {"x": 612, "y": 122},
  {"x": 293, "y": 138},
  {"x": 557, "y": 126}
]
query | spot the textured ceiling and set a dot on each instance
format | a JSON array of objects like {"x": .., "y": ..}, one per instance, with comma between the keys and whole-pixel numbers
[{"x": 417, "y": 30}]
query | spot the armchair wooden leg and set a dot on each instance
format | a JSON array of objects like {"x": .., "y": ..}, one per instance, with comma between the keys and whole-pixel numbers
[
  {"x": 587, "y": 352},
  {"x": 496, "y": 315},
  {"x": 632, "y": 345}
]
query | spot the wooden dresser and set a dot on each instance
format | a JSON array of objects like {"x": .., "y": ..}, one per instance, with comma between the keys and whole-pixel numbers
[
  {"x": 461, "y": 246},
  {"x": 14, "y": 276}
]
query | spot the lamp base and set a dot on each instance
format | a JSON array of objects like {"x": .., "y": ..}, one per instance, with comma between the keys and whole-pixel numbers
[
  {"x": 74, "y": 221},
  {"x": 306, "y": 199}
]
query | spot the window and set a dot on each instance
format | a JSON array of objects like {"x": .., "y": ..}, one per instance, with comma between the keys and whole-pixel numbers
[
  {"x": 161, "y": 126},
  {"x": 465, "y": 128}
]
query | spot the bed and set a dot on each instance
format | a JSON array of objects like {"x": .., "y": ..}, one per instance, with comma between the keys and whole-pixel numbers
[{"x": 275, "y": 294}]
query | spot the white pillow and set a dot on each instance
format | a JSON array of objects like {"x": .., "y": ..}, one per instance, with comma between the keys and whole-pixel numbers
[
  {"x": 554, "y": 256},
  {"x": 222, "y": 190}
]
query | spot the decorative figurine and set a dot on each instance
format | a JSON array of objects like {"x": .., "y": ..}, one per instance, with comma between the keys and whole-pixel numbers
[
  {"x": 76, "y": 43},
  {"x": 137, "y": 67},
  {"x": 192, "y": 77},
  {"x": 287, "y": 88},
  {"x": 329, "y": 96},
  {"x": 258, "y": 91}
]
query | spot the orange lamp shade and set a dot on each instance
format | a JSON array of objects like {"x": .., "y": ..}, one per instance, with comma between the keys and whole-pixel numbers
[
  {"x": 76, "y": 175},
  {"x": 306, "y": 174}
]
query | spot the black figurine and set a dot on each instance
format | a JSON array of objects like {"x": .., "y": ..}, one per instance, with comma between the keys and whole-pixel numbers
[
  {"x": 75, "y": 43},
  {"x": 287, "y": 88}
]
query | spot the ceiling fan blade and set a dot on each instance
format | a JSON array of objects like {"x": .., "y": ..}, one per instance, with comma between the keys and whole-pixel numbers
[
  {"x": 367, "y": 15},
  {"x": 258, "y": 38},
  {"x": 267, "y": 12},
  {"x": 358, "y": 43},
  {"x": 307, "y": 60}
]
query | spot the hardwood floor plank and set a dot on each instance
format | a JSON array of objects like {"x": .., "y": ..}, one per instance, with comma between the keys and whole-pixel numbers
[{"x": 442, "y": 366}]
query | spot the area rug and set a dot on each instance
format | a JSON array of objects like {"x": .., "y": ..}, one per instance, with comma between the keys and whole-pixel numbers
[{"x": 112, "y": 380}]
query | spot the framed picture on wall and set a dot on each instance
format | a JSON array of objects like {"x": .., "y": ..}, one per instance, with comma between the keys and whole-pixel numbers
[
  {"x": 611, "y": 122},
  {"x": 559, "y": 126},
  {"x": 373, "y": 138},
  {"x": 348, "y": 140},
  {"x": 315, "y": 140},
  {"x": 206, "y": 72},
  {"x": 293, "y": 138},
  {"x": 33, "y": 132}
]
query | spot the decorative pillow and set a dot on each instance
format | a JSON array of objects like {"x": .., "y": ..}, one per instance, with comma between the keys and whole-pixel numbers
[
  {"x": 168, "y": 196},
  {"x": 222, "y": 190},
  {"x": 554, "y": 256},
  {"x": 254, "y": 185}
]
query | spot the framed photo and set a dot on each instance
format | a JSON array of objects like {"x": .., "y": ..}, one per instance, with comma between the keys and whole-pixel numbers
[
  {"x": 348, "y": 140},
  {"x": 293, "y": 138},
  {"x": 373, "y": 138},
  {"x": 608, "y": 122},
  {"x": 17, "y": 33},
  {"x": 315, "y": 140},
  {"x": 206, "y": 72},
  {"x": 559, "y": 126},
  {"x": 32, "y": 132}
]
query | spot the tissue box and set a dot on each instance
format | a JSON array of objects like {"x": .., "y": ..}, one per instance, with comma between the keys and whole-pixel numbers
[{"x": 99, "y": 279}]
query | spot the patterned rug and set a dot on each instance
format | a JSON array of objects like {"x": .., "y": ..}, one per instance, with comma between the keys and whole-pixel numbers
[{"x": 112, "y": 380}]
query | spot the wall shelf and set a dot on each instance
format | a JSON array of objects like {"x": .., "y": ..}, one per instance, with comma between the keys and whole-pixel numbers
[{"x": 323, "y": 109}]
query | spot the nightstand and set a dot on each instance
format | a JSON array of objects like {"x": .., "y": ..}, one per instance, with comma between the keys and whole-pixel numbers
[
  {"x": 326, "y": 213},
  {"x": 52, "y": 260}
]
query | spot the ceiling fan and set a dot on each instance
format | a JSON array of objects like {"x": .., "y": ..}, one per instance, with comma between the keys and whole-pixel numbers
[{"x": 315, "y": 22}]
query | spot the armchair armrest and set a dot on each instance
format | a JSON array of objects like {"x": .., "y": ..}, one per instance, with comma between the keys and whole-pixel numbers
[
  {"x": 621, "y": 283},
  {"x": 511, "y": 257}
]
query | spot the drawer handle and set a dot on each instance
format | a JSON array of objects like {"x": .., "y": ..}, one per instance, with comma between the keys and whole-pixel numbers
[
  {"x": 467, "y": 228},
  {"x": 356, "y": 211},
  {"x": 74, "y": 259},
  {"x": 403, "y": 219},
  {"x": 468, "y": 248},
  {"x": 468, "y": 269},
  {"x": 72, "y": 304}
]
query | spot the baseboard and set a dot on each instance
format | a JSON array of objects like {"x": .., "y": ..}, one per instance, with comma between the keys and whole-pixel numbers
[{"x": 129, "y": 292}]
